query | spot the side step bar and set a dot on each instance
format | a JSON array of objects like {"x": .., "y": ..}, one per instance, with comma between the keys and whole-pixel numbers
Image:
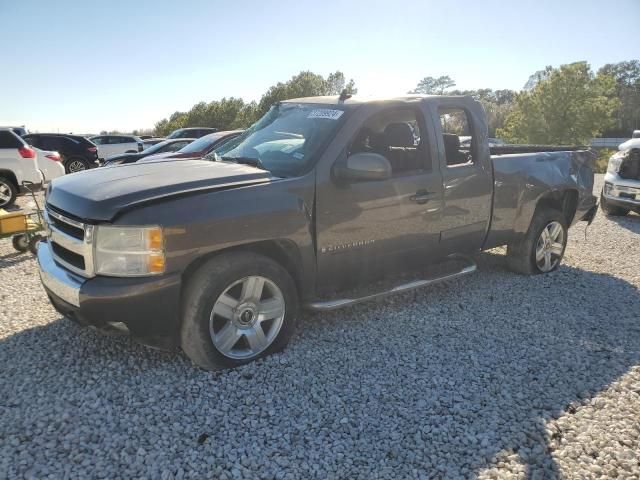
[{"x": 326, "y": 305}]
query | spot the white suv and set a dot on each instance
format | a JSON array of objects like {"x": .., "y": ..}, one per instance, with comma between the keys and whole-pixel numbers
[
  {"x": 18, "y": 163},
  {"x": 117, "y": 144}
]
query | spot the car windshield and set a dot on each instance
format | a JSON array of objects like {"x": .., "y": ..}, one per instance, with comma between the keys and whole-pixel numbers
[
  {"x": 199, "y": 145},
  {"x": 157, "y": 147},
  {"x": 286, "y": 140}
]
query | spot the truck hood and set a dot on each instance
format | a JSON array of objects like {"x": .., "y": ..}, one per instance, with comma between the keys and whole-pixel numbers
[{"x": 100, "y": 194}]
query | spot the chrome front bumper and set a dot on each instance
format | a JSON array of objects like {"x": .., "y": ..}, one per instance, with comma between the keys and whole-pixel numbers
[{"x": 57, "y": 280}]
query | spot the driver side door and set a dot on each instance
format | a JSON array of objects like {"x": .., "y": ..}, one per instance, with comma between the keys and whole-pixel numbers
[{"x": 370, "y": 229}]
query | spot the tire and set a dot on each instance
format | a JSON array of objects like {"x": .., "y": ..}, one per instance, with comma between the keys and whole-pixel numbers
[
  {"x": 230, "y": 336},
  {"x": 20, "y": 242},
  {"x": 8, "y": 192},
  {"x": 611, "y": 210},
  {"x": 34, "y": 240},
  {"x": 76, "y": 164},
  {"x": 523, "y": 257}
]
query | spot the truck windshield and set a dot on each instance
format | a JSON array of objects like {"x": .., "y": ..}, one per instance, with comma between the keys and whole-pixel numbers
[{"x": 286, "y": 140}]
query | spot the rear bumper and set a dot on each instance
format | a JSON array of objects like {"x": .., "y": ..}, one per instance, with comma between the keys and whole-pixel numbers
[{"x": 147, "y": 308}]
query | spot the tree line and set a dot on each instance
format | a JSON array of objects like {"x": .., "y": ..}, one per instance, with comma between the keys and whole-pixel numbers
[
  {"x": 564, "y": 105},
  {"x": 231, "y": 113}
]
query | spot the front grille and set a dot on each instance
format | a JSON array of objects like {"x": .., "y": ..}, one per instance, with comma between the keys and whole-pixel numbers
[
  {"x": 71, "y": 242},
  {"x": 630, "y": 166},
  {"x": 68, "y": 256}
]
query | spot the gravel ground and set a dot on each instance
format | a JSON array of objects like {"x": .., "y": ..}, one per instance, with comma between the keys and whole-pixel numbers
[{"x": 493, "y": 376}]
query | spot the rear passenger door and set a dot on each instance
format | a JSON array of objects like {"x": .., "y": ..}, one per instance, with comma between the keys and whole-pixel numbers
[
  {"x": 368, "y": 229},
  {"x": 467, "y": 174}
]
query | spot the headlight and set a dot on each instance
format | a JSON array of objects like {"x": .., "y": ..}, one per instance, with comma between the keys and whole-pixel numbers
[
  {"x": 129, "y": 251},
  {"x": 614, "y": 163}
]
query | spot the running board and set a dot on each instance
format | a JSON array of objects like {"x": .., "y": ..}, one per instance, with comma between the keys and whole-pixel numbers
[{"x": 326, "y": 305}]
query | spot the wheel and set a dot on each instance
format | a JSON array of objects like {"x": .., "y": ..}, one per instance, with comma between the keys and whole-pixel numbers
[
  {"x": 237, "y": 307},
  {"x": 20, "y": 242},
  {"x": 33, "y": 243},
  {"x": 74, "y": 165},
  {"x": 612, "y": 210},
  {"x": 8, "y": 192},
  {"x": 542, "y": 248}
]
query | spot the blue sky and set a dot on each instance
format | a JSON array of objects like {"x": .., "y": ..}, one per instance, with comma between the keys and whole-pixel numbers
[{"x": 86, "y": 66}]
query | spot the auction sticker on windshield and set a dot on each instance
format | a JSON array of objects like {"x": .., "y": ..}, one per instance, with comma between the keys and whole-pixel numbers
[{"x": 326, "y": 113}]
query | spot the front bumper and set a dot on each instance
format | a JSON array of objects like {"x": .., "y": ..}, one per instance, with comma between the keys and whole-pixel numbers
[
  {"x": 147, "y": 308},
  {"x": 621, "y": 192}
]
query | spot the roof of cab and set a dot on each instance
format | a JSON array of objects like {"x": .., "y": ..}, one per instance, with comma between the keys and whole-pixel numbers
[{"x": 356, "y": 101}]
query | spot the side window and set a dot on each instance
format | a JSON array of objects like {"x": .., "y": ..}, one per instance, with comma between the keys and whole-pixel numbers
[
  {"x": 457, "y": 136},
  {"x": 112, "y": 140},
  {"x": 175, "y": 146},
  {"x": 50, "y": 143},
  {"x": 98, "y": 140},
  {"x": 32, "y": 140},
  {"x": 397, "y": 135}
]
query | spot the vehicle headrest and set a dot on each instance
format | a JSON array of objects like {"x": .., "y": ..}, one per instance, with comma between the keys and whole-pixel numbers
[
  {"x": 451, "y": 142},
  {"x": 399, "y": 135}
]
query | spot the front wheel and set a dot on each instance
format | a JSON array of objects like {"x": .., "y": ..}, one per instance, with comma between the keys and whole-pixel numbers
[
  {"x": 237, "y": 308},
  {"x": 542, "y": 248},
  {"x": 20, "y": 242}
]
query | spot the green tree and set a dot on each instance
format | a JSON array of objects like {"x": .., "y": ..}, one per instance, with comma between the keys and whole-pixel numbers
[
  {"x": 433, "y": 85},
  {"x": 569, "y": 106},
  {"x": 627, "y": 78}
]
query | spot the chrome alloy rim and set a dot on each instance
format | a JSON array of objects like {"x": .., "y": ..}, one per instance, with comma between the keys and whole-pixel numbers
[
  {"x": 5, "y": 194},
  {"x": 76, "y": 166},
  {"x": 247, "y": 317},
  {"x": 550, "y": 247}
]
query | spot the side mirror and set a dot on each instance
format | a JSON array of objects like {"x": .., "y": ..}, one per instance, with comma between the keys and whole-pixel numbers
[{"x": 364, "y": 166}]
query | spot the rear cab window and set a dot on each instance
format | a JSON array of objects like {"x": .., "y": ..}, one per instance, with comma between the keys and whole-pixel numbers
[{"x": 457, "y": 136}]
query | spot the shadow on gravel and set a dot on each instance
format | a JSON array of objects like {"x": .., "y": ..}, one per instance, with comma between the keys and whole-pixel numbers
[
  {"x": 14, "y": 259},
  {"x": 631, "y": 222},
  {"x": 441, "y": 381}
]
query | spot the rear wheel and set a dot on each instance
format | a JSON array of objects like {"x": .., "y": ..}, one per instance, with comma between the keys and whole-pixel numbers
[
  {"x": 74, "y": 165},
  {"x": 237, "y": 308},
  {"x": 542, "y": 248},
  {"x": 8, "y": 192},
  {"x": 612, "y": 210}
]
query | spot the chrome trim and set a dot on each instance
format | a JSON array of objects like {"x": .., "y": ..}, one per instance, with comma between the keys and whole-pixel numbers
[
  {"x": 62, "y": 283},
  {"x": 83, "y": 247},
  {"x": 322, "y": 306}
]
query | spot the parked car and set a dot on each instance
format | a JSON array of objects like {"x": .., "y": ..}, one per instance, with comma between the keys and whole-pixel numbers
[
  {"x": 77, "y": 152},
  {"x": 149, "y": 142},
  {"x": 197, "y": 148},
  {"x": 116, "y": 144},
  {"x": 20, "y": 131},
  {"x": 17, "y": 165},
  {"x": 621, "y": 191},
  {"x": 192, "y": 132},
  {"x": 166, "y": 146},
  {"x": 319, "y": 196},
  {"x": 50, "y": 164}
]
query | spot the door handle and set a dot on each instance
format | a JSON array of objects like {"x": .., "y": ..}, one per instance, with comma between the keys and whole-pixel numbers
[{"x": 422, "y": 196}]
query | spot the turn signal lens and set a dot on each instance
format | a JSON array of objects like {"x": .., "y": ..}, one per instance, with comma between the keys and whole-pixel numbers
[
  {"x": 155, "y": 239},
  {"x": 156, "y": 263}
]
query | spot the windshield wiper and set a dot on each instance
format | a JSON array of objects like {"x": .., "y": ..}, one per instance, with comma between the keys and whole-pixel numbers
[{"x": 254, "y": 162}]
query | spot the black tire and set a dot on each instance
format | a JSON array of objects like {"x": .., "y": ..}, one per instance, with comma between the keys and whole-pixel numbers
[
  {"x": 75, "y": 164},
  {"x": 521, "y": 256},
  {"x": 34, "y": 240},
  {"x": 612, "y": 210},
  {"x": 205, "y": 287},
  {"x": 20, "y": 242},
  {"x": 8, "y": 192}
]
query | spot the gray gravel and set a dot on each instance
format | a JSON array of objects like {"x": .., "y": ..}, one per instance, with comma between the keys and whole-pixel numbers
[{"x": 493, "y": 376}]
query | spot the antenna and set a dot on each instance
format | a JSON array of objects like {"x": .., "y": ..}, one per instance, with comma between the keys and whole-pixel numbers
[{"x": 344, "y": 95}]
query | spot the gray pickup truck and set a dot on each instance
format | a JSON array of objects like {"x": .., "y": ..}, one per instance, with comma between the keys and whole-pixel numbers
[{"x": 323, "y": 203}]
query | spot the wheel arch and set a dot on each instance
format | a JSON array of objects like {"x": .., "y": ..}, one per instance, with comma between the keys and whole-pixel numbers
[
  {"x": 9, "y": 175},
  {"x": 282, "y": 251}
]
